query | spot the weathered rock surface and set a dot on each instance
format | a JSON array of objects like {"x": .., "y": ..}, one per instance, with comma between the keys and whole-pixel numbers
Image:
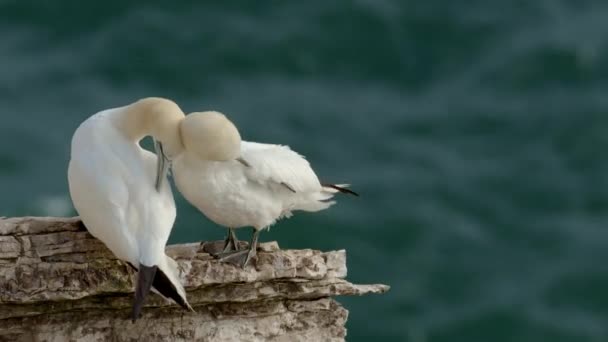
[{"x": 58, "y": 283}]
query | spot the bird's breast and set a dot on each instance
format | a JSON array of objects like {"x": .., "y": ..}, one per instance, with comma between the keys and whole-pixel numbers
[{"x": 225, "y": 196}]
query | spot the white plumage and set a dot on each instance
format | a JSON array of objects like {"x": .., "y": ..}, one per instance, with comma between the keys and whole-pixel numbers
[
  {"x": 111, "y": 180},
  {"x": 268, "y": 183},
  {"x": 276, "y": 182}
]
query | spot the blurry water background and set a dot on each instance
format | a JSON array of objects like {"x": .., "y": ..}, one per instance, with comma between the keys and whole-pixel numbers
[{"x": 476, "y": 132}]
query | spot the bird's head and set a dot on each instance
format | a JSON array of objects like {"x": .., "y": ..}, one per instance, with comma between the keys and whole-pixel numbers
[{"x": 211, "y": 136}]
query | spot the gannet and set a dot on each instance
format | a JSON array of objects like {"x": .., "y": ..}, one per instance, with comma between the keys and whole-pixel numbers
[
  {"x": 117, "y": 188},
  {"x": 244, "y": 184}
]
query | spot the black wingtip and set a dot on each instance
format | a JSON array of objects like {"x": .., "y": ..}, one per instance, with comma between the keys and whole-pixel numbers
[
  {"x": 163, "y": 285},
  {"x": 341, "y": 189},
  {"x": 145, "y": 277}
]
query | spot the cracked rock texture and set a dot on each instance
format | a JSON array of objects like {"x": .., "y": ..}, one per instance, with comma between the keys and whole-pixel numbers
[{"x": 58, "y": 283}]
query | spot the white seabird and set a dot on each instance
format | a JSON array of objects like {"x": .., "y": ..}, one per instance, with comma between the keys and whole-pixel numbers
[
  {"x": 256, "y": 184},
  {"x": 112, "y": 184}
]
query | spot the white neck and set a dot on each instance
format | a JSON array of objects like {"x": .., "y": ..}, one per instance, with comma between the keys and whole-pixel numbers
[{"x": 153, "y": 116}]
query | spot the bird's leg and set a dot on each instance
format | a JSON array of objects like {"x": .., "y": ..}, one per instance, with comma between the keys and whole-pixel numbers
[
  {"x": 219, "y": 249},
  {"x": 231, "y": 252},
  {"x": 253, "y": 247},
  {"x": 232, "y": 243},
  {"x": 242, "y": 257}
]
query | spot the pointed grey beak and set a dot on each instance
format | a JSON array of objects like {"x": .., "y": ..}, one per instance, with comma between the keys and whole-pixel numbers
[{"x": 162, "y": 165}]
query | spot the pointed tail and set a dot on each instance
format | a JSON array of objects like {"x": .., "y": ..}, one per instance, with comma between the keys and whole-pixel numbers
[{"x": 323, "y": 199}]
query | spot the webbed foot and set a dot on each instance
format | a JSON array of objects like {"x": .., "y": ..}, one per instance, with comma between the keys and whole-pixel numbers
[{"x": 241, "y": 257}]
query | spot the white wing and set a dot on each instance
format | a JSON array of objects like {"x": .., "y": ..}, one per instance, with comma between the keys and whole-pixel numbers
[
  {"x": 111, "y": 185},
  {"x": 100, "y": 200},
  {"x": 277, "y": 165}
]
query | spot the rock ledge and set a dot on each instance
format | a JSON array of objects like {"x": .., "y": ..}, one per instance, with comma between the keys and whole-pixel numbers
[{"x": 58, "y": 283}]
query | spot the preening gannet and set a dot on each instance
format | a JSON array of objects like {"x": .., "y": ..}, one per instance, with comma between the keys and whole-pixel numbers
[
  {"x": 244, "y": 184},
  {"x": 112, "y": 184}
]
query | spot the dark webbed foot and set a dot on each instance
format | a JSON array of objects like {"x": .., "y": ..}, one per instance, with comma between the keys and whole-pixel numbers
[
  {"x": 241, "y": 257},
  {"x": 221, "y": 247},
  {"x": 251, "y": 253},
  {"x": 236, "y": 258}
]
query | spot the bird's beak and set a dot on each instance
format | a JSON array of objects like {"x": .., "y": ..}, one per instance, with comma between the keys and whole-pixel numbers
[
  {"x": 162, "y": 165},
  {"x": 243, "y": 161}
]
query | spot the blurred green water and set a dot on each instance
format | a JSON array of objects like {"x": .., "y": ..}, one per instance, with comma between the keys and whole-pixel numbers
[{"x": 475, "y": 133}]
